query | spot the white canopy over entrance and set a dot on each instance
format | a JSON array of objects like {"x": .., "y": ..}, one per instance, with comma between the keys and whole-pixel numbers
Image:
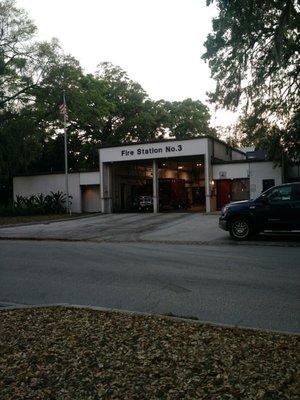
[{"x": 153, "y": 151}]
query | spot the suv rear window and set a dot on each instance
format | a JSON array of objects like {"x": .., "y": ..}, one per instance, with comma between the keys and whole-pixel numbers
[{"x": 281, "y": 193}]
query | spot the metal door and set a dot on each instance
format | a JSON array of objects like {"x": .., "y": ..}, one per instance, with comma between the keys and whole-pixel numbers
[{"x": 223, "y": 192}]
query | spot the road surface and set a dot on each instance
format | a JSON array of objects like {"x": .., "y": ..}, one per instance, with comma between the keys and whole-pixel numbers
[{"x": 247, "y": 285}]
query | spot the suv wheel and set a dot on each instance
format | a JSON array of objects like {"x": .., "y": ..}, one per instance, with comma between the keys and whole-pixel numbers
[{"x": 240, "y": 229}]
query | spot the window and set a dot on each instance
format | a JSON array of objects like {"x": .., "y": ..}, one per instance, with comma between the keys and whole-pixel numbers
[
  {"x": 267, "y": 184},
  {"x": 281, "y": 193}
]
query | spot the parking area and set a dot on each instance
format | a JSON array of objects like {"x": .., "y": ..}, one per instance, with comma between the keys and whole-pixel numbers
[{"x": 171, "y": 227}]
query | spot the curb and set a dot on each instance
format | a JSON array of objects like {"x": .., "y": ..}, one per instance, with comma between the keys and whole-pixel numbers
[
  {"x": 148, "y": 241},
  {"x": 220, "y": 243},
  {"x": 47, "y": 222},
  {"x": 145, "y": 314}
]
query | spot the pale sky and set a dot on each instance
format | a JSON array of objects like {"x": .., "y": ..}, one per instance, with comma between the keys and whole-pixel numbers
[{"x": 158, "y": 42}]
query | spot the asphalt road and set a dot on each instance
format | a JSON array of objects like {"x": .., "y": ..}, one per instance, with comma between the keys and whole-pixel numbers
[{"x": 255, "y": 286}]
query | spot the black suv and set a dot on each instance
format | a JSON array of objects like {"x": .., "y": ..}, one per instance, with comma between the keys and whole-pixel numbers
[{"x": 278, "y": 209}]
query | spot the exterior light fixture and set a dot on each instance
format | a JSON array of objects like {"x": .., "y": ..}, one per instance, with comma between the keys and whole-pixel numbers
[
  {"x": 180, "y": 167},
  {"x": 199, "y": 165},
  {"x": 212, "y": 183}
]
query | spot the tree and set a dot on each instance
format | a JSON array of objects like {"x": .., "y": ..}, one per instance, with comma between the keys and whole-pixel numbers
[
  {"x": 188, "y": 119},
  {"x": 253, "y": 54},
  {"x": 33, "y": 76},
  {"x": 23, "y": 64},
  {"x": 126, "y": 99},
  {"x": 152, "y": 122},
  {"x": 135, "y": 117},
  {"x": 103, "y": 109},
  {"x": 23, "y": 61}
]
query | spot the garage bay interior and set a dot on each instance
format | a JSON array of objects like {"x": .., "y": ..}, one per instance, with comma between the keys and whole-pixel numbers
[{"x": 181, "y": 185}]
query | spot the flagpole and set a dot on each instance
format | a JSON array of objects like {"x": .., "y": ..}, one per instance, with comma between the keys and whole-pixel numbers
[{"x": 66, "y": 153}]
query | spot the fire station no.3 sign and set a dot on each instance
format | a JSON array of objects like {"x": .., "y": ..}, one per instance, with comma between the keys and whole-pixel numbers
[{"x": 154, "y": 150}]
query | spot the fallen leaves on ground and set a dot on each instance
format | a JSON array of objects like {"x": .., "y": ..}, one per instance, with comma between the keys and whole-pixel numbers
[{"x": 66, "y": 353}]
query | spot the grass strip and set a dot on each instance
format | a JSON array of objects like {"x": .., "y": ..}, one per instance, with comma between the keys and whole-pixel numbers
[{"x": 34, "y": 218}]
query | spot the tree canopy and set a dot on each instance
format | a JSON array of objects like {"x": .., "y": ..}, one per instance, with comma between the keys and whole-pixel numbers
[
  {"x": 23, "y": 61},
  {"x": 253, "y": 53}
]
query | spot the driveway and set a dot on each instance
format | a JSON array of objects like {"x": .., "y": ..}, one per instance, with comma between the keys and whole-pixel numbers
[
  {"x": 175, "y": 228},
  {"x": 95, "y": 228},
  {"x": 204, "y": 229}
]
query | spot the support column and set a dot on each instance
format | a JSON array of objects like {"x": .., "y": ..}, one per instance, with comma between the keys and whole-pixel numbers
[
  {"x": 105, "y": 188},
  {"x": 155, "y": 187},
  {"x": 208, "y": 175}
]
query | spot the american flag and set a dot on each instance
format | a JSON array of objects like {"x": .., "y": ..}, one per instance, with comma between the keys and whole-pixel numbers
[{"x": 63, "y": 110}]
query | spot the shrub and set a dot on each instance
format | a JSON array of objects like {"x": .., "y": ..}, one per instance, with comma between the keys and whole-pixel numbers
[
  {"x": 53, "y": 203},
  {"x": 56, "y": 202}
]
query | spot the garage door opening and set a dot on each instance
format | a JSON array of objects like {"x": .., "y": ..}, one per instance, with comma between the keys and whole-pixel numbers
[
  {"x": 181, "y": 185},
  {"x": 90, "y": 198}
]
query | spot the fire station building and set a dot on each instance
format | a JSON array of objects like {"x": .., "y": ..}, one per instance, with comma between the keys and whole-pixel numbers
[{"x": 199, "y": 175}]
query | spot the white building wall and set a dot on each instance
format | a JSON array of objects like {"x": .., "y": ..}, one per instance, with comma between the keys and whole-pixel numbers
[
  {"x": 89, "y": 178},
  {"x": 36, "y": 184},
  {"x": 259, "y": 171},
  {"x": 230, "y": 171},
  {"x": 256, "y": 171},
  {"x": 221, "y": 151},
  {"x": 236, "y": 155}
]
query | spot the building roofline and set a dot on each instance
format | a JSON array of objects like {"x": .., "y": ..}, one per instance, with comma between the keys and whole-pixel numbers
[
  {"x": 174, "y": 140},
  {"x": 138, "y": 143},
  {"x": 246, "y": 161},
  {"x": 228, "y": 145},
  {"x": 53, "y": 173}
]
